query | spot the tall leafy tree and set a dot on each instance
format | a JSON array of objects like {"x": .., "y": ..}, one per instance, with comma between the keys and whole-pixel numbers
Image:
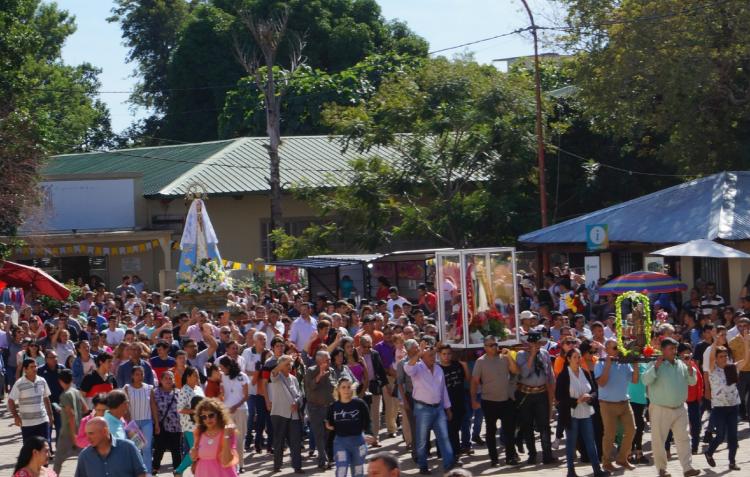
[
  {"x": 45, "y": 106},
  {"x": 184, "y": 52},
  {"x": 459, "y": 170},
  {"x": 669, "y": 77}
]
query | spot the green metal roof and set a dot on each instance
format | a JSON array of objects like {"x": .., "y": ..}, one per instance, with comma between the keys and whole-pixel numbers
[
  {"x": 159, "y": 165},
  {"x": 223, "y": 167}
]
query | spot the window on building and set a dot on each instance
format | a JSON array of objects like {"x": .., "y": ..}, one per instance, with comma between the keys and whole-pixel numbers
[
  {"x": 628, "y": 262},
  {"x": 712, "y": 270}
]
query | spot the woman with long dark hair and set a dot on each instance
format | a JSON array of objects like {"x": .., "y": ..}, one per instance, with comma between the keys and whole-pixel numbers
[
  {"x": 356, "y": 365},
  {"x": 235, "y": 387},
  {"x": 190, "y": 389},
  {"x": 575, "y": 390},
  {"x": 33, "y": 459}
]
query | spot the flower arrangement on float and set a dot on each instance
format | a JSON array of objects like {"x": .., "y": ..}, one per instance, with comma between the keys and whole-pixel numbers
[{"x": 207, "y": 276}]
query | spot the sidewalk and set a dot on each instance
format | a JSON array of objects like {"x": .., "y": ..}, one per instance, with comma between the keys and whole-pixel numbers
[{"x": 478, "y": 464}]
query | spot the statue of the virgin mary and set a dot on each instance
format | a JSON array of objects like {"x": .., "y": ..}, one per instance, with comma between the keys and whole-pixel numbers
[{"x": 198, "y": 241}]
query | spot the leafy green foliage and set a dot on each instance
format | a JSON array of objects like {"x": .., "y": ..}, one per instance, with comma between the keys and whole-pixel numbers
[
  {"x": 307, "y": 92},
  {"x": 45, "y": 106},
  {"x": 457, "y": 163},
  {"x": 185, "y": 56},
  {"x": 669, "y": 77}
]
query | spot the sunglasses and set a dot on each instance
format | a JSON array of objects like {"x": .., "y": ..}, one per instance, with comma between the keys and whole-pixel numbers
[
  {"x": 211, "y": 415},
  {"x": 492, "y": 345}
]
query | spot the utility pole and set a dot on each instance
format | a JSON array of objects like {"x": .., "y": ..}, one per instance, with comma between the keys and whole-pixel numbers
[{"x": 539, "y": 130}]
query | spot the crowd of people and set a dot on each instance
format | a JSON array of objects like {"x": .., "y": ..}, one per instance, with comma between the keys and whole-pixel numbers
[{"x": 121, "y": 378}]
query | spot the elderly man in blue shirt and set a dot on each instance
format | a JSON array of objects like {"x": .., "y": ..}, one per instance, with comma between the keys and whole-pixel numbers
[
  {"x": 432, "y": 406},
  {"x": 108, "y": 456},
  {"x": 613, "y": 378}
]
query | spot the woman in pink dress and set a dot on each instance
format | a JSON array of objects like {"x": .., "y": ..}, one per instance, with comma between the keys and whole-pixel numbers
[{"x": 214, "y": 453}]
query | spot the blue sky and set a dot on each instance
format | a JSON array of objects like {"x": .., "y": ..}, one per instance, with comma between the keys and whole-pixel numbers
[{"x": 443, "y": 23}]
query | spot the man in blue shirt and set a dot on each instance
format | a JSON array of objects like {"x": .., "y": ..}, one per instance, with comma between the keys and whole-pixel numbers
[
  {"x": 613, "y": 378},
  {"x": 125, "y": 370},
  {"x": 108, "y": 456}
]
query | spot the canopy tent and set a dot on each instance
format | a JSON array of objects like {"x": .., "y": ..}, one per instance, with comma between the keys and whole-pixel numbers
[
  {"x": 701, "y": 248},
  {"x": 644, "y": 282},
  {"x": 23, "y": 276}
]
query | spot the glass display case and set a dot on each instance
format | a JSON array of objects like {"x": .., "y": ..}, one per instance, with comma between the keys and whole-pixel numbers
[{"x": 477, "y": 295}]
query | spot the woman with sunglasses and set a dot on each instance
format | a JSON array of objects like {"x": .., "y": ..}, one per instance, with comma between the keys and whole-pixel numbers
[
  {"x": 29, "y": 350},
  {"x": 214, "y": 452}
]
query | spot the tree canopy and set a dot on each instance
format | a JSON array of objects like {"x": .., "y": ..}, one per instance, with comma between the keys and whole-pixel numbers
[
  {"x": 669, "y": 77},
  {"x": 184, "y": 53},
  {"x": 46, "y": 106},
  {"x": 463, "y": 136}
]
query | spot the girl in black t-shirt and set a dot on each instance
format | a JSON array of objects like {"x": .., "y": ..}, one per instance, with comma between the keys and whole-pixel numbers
[{"x": 349, "y": 419}]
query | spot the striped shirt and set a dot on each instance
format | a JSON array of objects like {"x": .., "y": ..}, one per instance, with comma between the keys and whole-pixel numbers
[
  {"x": 29, "y": 399},
  {"x": 140, "y": 401},
  {"x": 710, "y": 303}
]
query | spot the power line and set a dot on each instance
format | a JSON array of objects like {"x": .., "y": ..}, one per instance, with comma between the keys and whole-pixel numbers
[
  {"x": 619, "y": 169},
  {"x": 462, "y": 45},
  {"x": 642, "y": 19}
]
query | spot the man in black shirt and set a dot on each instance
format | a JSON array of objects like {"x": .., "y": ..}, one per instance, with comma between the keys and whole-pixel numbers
[{"x": 50, "y": 373}]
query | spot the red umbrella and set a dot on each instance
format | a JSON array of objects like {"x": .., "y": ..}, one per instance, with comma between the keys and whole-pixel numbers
[{"x": 22, "y": 276}]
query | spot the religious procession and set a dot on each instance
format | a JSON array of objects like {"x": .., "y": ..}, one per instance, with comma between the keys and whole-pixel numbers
[{"x": 351, "y": 238}]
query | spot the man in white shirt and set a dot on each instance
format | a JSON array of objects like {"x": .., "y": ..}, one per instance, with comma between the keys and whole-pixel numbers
[
  {"x": 268, "y": 322},
  {"x": 113, "y": 334},
  {"x": 29, "y": 403},
  {"x": 302, "y": 328},
  {"x": 394, "y": 298},
  {"x": 253, "y": 358},
  {"x": 432, "y": 407}
]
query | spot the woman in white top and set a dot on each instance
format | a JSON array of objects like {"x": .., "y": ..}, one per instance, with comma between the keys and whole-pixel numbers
[
  {"x": 191, "y": 387},
  {"x": 140, "y": 405},
  {"x": 575, "y": 390},
  {"x": 235, "y": 390},
  {"x": 725, "y": 401}
]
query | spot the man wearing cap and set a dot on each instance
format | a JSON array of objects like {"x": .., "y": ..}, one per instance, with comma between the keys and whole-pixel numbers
[
  {"x": 667, "y": 380},
  {"x": 492, "y": 371},
  {"x": 737, "y": 345},
  {"x": 533, "y": 402},
  {"x": 525, "y": 318}
]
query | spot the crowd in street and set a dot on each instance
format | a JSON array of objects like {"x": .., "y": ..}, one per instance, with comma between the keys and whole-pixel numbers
[{"x": 120, "y": 378}]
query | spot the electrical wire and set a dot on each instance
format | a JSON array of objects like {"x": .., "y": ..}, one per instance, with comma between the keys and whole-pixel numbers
[
  {"x": 642, "y": 19},
  {"x": 619, "y": 169}
]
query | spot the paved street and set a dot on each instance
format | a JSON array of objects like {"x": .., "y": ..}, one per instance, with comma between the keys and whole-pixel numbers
[{"x": 477, "y": 464}]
